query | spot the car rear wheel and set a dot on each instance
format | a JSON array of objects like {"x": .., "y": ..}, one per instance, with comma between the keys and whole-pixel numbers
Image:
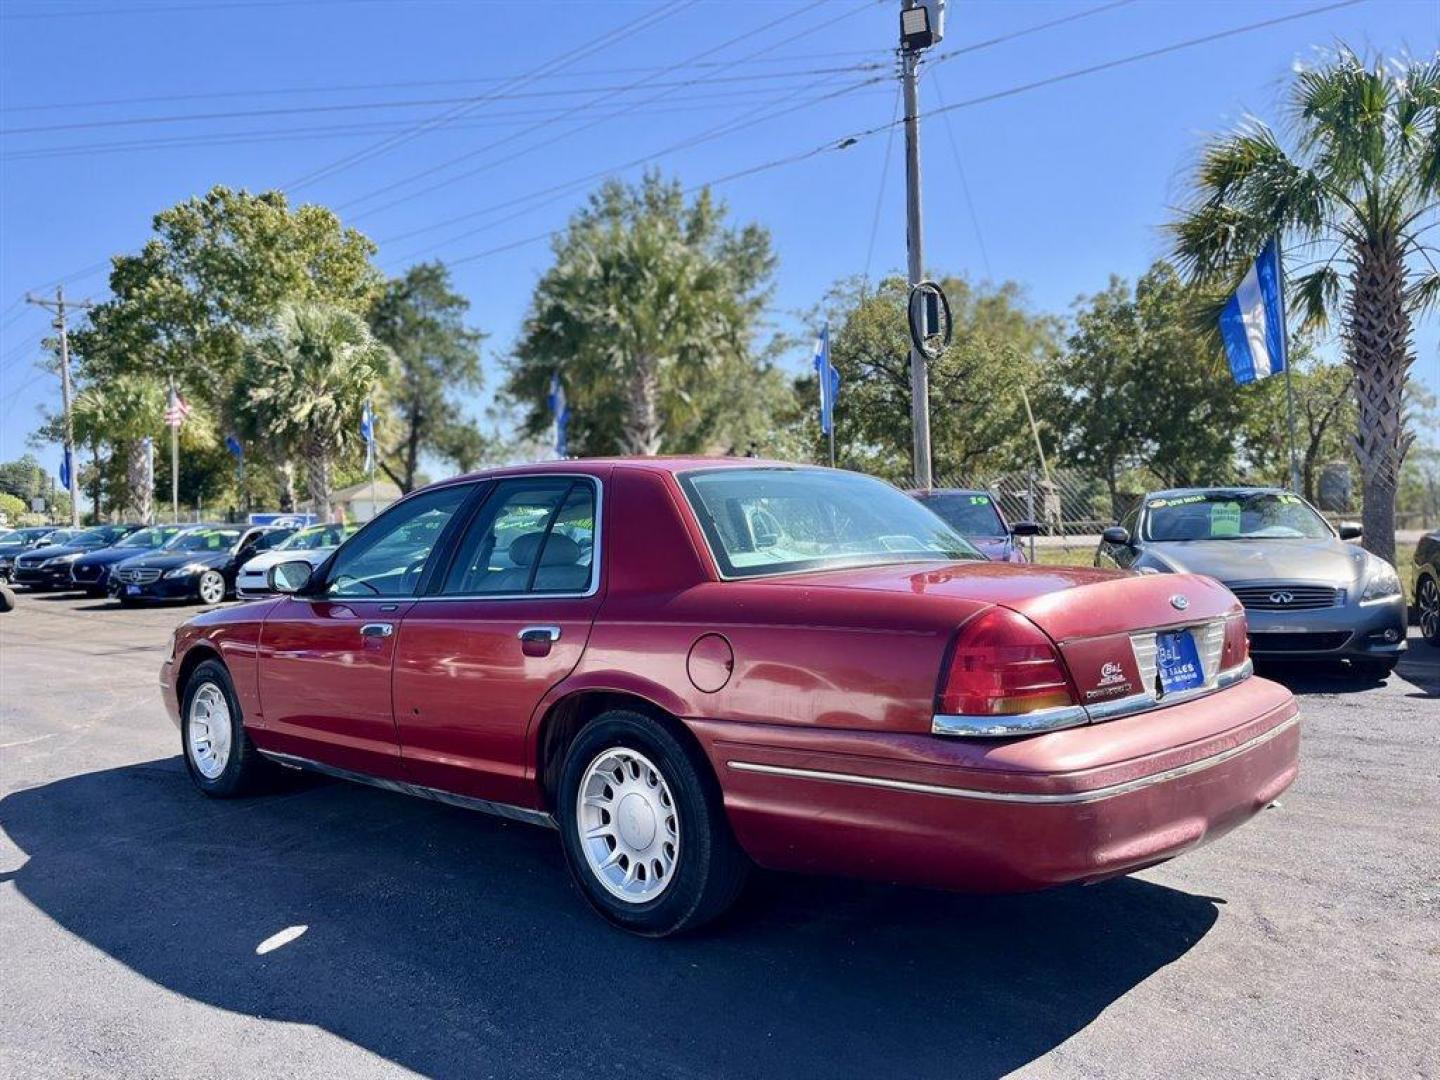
[
  {"x": 211, "y": 587},
  {"x": 644, "y": 828},
  {"x": 218, "y": 753},
  {"x": 1427, "y": 600}
]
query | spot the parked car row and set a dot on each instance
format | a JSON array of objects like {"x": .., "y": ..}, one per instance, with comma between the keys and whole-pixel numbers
[{"x": 130, "y": 563}]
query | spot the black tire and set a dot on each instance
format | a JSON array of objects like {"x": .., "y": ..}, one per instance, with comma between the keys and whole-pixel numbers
[
  {"x": 7, "y": 598},
  {"x": 1374, "y": 670},
  {"x": 710, "y": 869},
  {"x": 244, "y": 767},
  {"x": 1428, "y": 609}
]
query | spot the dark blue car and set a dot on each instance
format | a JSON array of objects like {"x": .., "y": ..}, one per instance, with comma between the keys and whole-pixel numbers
[
  {"x": 90, "y": 573},
  {"x": 198, "y": 564},
  {"x": 48, "y": 566}
]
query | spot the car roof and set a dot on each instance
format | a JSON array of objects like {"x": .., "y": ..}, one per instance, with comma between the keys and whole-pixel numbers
[{"x": 598, "y": 465}]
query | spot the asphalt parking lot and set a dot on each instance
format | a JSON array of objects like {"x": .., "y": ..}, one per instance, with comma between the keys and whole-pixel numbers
[{"x": 139, "y": 922}]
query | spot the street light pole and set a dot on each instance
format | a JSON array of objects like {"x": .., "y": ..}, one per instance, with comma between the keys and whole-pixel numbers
[{"x": 915, "y": 252}]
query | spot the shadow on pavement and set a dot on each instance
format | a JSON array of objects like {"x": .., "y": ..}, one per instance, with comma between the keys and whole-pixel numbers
[
  {"x": 452, "y": 943},
  {"x": 1418, "y": 672}
]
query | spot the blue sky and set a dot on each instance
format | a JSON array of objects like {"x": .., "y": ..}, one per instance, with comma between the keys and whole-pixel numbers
[{"x": 1068, "y": 182}]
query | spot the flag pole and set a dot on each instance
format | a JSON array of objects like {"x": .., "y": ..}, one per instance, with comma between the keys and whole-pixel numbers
[{"x": 1289, "y": 384}]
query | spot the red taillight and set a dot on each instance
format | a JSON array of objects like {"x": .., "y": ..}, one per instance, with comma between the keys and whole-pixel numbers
[
  {"x": 1237, "y": 643},
  {"x": 1003, "y": 664}
]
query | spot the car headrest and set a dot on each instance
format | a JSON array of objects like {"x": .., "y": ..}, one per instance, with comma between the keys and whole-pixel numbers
[{"x": 560, "y": 551}]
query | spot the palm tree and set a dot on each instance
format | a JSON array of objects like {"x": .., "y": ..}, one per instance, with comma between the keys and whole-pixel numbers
[
  {"x": 1357, "y": 191},
  {"x": 307, "y": 379}
]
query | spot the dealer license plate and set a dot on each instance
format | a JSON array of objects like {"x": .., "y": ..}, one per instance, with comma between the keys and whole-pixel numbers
[
  {"x": 1178, "y": 661},
  {"x": 132, "y": 590}
]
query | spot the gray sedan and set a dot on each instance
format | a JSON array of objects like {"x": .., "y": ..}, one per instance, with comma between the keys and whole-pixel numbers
[{"x": 1308, "y": 593}]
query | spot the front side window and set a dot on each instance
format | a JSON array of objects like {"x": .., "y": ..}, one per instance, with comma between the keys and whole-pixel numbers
[
  {"x": 387, "y": 557},
  {"x": 533, "y": 535},
  {"x": 1233, "y": 515},
  {"x": 775, "y": 520}
]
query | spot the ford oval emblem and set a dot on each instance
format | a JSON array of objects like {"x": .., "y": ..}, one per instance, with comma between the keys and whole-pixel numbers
[{"x": 1179, "y": 602}]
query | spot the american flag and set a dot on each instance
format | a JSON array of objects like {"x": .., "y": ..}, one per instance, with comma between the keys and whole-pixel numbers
[{"x": 177, "y": 410}]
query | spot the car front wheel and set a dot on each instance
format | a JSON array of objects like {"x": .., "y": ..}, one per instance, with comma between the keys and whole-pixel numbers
[
  {"x": 644, "y": 829},
  {"x": 211, "y": 587},
  {"x": 218, "y": 753},
  {"x": 1427, "y": 600}
]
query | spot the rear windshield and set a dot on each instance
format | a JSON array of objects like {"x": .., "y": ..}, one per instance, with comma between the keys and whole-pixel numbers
[
  {"x": 970, "y": 513},
  {"x": 770, "y": 521},
  {"x": 1263, "y": 515}
]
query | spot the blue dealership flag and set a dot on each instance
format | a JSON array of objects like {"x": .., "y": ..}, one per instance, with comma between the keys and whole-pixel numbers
[
  {"x": 367, "y": 432},
  {"x": 232, "y": 443},
  {"x": 828, "y": 378},
  {"x": 66, "y": 462},
  {"x": 561, "y": 412},
  {"x": 1252, "y": 324}
]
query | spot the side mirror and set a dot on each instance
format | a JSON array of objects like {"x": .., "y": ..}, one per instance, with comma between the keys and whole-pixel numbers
[
  {"x": 290, "y": 577},
  {"x": 1348, "y": 530},
  {"x": 1117, "y": 535},
  {"x": 1026, "y": 528}
]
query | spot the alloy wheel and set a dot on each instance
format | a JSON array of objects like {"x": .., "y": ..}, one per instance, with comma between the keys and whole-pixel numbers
[
  {"x": 628, "y": 824},
  {"x": 208, "y": 732},
  {"x": 212, "y": 587},
  {"x": 1428, "y": 601}
]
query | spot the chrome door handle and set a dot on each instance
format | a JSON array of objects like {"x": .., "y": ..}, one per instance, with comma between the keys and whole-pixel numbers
[
  {"x": 540, "y": 633},
  {"x": 377, "y": 629}
]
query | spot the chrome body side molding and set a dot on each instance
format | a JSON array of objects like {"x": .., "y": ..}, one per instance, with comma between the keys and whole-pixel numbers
[
  {"x": 485, "y": 806},
  {"x": 1095, "y": 795}
]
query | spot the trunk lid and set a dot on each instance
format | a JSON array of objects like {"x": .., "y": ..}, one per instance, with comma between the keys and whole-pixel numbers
[{"x": 1109, "y": 625}]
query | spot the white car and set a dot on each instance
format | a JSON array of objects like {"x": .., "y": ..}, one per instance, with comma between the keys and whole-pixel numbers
[{"x": 314, "y": 543}]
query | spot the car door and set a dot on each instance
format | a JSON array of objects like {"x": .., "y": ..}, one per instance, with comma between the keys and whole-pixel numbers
[
  {"x": 508, "y": 619},
  {"x": 326, "y": 656}
]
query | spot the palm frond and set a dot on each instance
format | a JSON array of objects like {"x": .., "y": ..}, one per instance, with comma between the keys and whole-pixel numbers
[{"x": 1314, "y": 295}]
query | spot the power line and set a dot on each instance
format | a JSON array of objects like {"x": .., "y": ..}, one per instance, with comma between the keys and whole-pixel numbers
[
  {"x": 960, "y": 169},
  {"x": 415, "y": 84},
  {"x": 972, "y": 47},
  {"x": 846, "y": 141},
  {"x": 556, "y": 192},
  {"x": 250, "y": 136},
  {"x": 564, "y": 60},
  {"x": 414, "y": 103},
  {"x": 712, "y": 50},
  {"x": 880, "y": 195}
]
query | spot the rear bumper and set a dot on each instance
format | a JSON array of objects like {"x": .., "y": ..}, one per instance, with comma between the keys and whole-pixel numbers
[{"x": 1068, "y": 806}]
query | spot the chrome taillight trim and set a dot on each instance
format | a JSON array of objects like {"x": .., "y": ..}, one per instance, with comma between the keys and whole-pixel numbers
[
  {"x": 1069, "y": 716},
  {"x": 1003, "y": 727}
]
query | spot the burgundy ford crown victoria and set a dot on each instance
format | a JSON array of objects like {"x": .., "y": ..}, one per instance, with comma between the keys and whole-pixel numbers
[{"x": 690, "y": 666}]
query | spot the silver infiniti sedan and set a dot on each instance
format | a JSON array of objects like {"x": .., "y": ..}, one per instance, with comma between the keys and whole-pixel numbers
[{"x": 1309, "y": 593}]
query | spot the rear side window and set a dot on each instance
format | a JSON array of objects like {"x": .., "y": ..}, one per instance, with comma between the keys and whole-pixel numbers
[{"x": 533, "y": 535}]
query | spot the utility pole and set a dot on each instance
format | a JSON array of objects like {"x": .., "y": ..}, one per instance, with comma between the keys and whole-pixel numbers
[
  {"x": 72, "y": 466},
  {"x": 917, "y": 31}
]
